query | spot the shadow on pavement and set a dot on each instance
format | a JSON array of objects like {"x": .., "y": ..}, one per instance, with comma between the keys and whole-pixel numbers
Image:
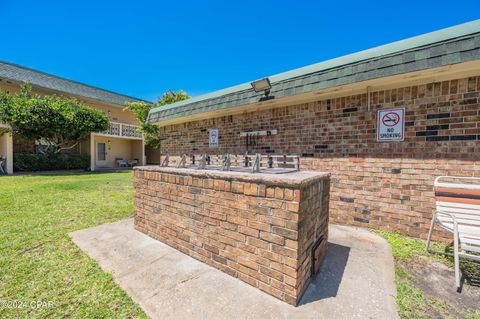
[{"x": 327, "y": 281}]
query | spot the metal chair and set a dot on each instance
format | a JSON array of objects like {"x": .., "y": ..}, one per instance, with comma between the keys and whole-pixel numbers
[
  {"x": 133, "y": 162},
  {"x": 458, "y": 211},
  {"x": 121, "y": 162}
]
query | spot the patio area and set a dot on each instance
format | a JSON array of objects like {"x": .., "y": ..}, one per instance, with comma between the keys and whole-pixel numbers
[{"x": 356, "y": 279}]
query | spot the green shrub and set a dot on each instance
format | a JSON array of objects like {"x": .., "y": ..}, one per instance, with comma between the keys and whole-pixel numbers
[
  {"x": 61, "y": 123},
  {"x": 48, "y": 162}
]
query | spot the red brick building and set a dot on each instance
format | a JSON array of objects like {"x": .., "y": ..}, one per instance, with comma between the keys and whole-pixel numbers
[{"x": 328, "y": 114}]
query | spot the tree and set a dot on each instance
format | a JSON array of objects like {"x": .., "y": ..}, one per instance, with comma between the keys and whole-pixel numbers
[
  {"x": 141, "y": 109},
  {"x": 59, "y": 122}
]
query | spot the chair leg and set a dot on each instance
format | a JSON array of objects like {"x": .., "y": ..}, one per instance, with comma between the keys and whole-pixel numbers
[
  {"x": 432, "y": 225},
  {"x": 456, "y": 259}
]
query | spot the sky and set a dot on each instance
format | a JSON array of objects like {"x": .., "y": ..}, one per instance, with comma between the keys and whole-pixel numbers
[{"x": 143, "y": 48}]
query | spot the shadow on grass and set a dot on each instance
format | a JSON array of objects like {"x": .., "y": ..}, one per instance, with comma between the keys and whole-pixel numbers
[{"x": 470, "y": 269}]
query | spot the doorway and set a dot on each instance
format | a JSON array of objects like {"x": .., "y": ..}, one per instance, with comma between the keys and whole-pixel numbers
[{"x": 101, "y": 154}]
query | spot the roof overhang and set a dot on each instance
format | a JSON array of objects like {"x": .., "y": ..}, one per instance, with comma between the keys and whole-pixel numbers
[
  {"x": 462, "y": 70},
  {"x": 17, "y": 74},
  {"x": 45, "y": 90},
  {"x": 440, "y": 52}
]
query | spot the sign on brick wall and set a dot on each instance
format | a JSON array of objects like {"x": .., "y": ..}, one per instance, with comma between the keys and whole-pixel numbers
[
  {"x": 213, "y": 137},
  {"x": 391, "y": 125}
]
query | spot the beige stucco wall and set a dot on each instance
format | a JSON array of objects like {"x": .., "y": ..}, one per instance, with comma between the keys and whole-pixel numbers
[
  {"x": 6, "y": 150},
  {"x": 9, "y": 87},
  {"x": 138, "y": 151},
  {"x": 115, "y": 113},
  {"x": 118, "y": 148}
]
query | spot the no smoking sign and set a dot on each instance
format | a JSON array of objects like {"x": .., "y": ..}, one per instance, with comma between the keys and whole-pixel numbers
[{"x": 391, "y": 125}]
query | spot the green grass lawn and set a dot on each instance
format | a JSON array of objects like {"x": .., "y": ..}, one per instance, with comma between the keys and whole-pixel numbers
[
  {"x": 39, "y": 262},
  {"x": 412, "y": 301}
]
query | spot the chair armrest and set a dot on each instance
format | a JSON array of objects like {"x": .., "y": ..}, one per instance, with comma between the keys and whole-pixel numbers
[
  {"x": 447, "y": 214},
  {"x": 455, "y": 222}
]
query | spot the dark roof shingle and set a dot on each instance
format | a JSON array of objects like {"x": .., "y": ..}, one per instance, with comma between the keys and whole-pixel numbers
[{"x": 19, "y": 73}]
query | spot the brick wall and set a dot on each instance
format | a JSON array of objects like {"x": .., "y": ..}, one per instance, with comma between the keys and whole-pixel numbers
[
  {"x": 382, "y": 185},
  {"x": 260, "y": 231}
]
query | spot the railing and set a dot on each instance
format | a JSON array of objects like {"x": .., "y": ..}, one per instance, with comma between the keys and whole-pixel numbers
[{"x": 123, "y": 130}]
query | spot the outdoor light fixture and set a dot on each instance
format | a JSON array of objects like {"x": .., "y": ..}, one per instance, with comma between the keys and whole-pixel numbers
[{"x": 262, "y": 85}]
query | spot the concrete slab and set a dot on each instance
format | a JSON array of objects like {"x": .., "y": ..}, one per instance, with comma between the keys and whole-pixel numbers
[{"x": 356, "y": 279}]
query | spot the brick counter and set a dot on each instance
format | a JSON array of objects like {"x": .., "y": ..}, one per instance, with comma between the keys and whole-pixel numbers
[{"x": 259, "y": 228}]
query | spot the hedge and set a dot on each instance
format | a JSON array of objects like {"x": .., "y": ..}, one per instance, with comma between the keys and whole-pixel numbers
[{"x": 48, "y": 162}]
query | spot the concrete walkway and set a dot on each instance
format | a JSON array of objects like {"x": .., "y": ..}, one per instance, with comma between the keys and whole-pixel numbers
[{"x": 356, "y": 279}]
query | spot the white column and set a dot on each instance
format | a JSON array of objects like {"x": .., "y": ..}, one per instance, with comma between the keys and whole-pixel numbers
[
  {"x": 144, "y": 161},
  {"x": 92, "y": 152},
  {"x": 9, "y": 154}
]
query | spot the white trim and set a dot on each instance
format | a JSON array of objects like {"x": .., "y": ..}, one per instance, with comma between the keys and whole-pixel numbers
[
  {"x": 92, "y": 152},
  {"x": 117, "y": 136},
  {"x": 117, "y": 129},
  {"x": 144, "y": 157},
  {"x": 259, "y": 133},
  {"x": 101, "y": 163},
  {"x": 9, "y": 153}
]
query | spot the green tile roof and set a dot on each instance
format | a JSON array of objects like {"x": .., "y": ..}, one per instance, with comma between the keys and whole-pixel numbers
[
  {"x": 444, "y": 47},
  {"x": 18, "y": 73}
]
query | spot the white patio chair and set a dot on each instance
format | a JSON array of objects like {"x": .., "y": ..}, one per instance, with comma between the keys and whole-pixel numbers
[
  {"x": 458, "y": 211},
  {"x": 121, "y": 162},
  {"x": 133, "y": 162}
]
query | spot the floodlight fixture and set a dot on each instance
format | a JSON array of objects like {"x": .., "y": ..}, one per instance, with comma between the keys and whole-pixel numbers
[{"x": 262, "y": 85}]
